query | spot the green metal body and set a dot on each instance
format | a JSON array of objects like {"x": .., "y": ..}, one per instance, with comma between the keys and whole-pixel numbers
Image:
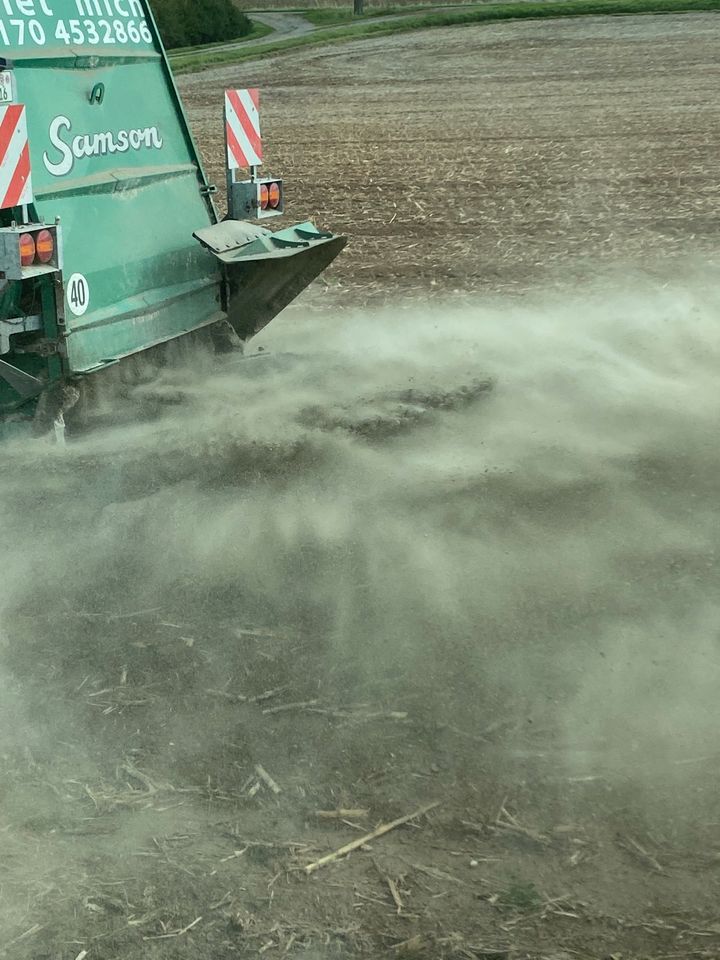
[{"x": 113, "y": 158}]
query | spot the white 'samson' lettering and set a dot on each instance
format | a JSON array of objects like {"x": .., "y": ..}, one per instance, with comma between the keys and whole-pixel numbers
[{"x": 94, "y": 144}]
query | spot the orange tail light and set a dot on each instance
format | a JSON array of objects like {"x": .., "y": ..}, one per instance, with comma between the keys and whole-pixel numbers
[
  {"x": 45, "y": 246},
  {"x": 274, "y": 195},
  {"x": 27, "y": 250}
]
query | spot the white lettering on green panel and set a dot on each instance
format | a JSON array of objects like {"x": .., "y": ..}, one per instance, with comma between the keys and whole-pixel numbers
[
  {"x": 68, "y": 148},
  {"x": 73, "y": 23}
]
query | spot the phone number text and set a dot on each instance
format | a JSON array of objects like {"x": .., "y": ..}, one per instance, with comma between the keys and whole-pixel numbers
[{"x": 16, "y": 33}]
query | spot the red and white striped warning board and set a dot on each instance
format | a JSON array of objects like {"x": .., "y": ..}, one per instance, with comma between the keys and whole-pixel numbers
[
  {"x": 15, "y": 180},
  {"x": 242, "y": 128}
]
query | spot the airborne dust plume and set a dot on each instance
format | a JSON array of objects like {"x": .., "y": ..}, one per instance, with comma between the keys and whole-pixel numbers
[{"x": 504, "y": 512}]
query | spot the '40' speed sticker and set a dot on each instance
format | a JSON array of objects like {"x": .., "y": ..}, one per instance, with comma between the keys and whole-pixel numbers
[{"x": 77, "y": 292}]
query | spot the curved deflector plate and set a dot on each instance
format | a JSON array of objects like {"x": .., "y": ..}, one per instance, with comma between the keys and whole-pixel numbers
[{"x": 266, "y": 270}]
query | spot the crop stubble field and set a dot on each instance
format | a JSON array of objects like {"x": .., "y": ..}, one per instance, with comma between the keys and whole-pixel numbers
[
  {"x": 496, "y": 156},
  {"x": 141, "y": 815}
]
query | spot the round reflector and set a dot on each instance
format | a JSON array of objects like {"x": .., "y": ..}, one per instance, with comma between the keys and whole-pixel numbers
[
  {"x": 264, "y": 197},
  {"x": 274, "y": 195},
  {"x": 27, "y": 250},
  {"x": 45, "y": 246}
]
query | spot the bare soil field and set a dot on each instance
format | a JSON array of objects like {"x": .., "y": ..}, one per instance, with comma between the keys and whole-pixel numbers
[
  {"x": 494, "y": 156},
  {"x": 377, "y": 587}
]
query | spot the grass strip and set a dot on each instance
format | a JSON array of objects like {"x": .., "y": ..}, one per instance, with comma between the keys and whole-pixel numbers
[
  {"x": 329, "y": 16},
  {"x": 258, "y": 31},
  {"x": 473, "y": 13},
  {"x": 488, "y": 13}
]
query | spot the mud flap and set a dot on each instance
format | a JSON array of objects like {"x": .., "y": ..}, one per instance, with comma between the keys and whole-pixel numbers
[{"x": 265, "y": 271}]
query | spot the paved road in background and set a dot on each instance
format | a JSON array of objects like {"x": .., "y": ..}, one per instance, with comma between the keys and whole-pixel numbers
[{"x": 284, "y": 24}]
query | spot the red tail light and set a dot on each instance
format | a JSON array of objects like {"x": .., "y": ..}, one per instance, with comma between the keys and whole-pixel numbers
[
  {"x": 45, "y": 246},
  {"x": 264, "y": 196},
  {"x": 27, "y": 250},
  {"x": 274, "y": 195}
]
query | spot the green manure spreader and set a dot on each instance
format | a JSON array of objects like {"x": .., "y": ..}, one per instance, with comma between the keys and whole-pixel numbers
[{"x": 110, "y": 242}]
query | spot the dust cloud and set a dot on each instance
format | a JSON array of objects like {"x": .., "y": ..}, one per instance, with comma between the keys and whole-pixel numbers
[
  {"x": 497, "y": 514},
  {"x": 551, "y": 538}
]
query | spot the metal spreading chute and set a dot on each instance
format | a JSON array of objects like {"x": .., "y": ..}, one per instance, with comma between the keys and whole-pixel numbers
[
  {"x": 25, "y": 385},
  {"x": 265, "y": 271}
]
